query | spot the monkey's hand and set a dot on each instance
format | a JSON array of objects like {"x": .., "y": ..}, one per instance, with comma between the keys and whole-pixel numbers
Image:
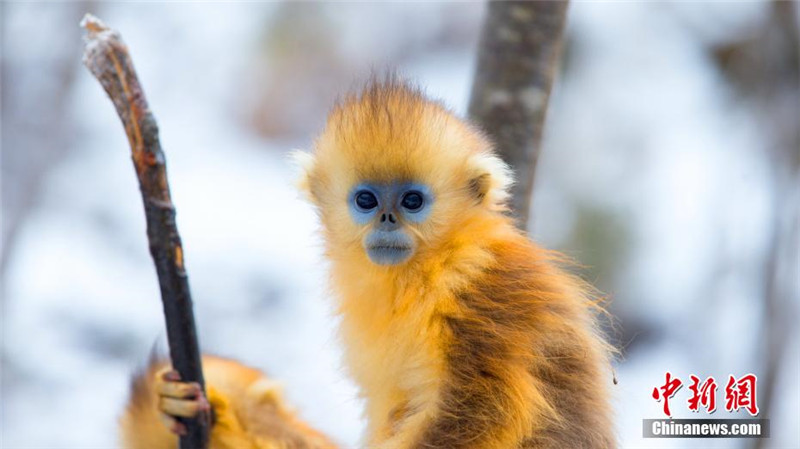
[
  {"x": 178, "y": 399},
  {"x": 245, "y": 408}
]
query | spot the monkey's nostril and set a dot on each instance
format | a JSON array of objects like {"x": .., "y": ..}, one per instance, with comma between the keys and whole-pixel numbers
[
  {"x": 392, "y": 219},
  {"x": 383, "y": 218}
]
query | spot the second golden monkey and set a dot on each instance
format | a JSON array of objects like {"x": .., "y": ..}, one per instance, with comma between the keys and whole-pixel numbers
[{"x": 460, "y": 332}]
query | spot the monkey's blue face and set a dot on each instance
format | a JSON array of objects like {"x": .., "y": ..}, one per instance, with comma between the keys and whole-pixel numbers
[{"x": 388, "y": 209}]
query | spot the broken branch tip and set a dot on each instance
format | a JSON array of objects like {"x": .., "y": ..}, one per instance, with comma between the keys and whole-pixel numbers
[{"x": 91, "y": 23}]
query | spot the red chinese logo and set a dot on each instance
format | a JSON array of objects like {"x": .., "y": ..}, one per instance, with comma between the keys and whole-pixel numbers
[
  {"x": 668, "y": 390},
  {"x": 704, "y": 394},
  {"x": 739, "y": 393}
]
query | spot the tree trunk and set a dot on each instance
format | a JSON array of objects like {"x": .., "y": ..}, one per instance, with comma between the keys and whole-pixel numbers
[{"x": 517, "y": 59}]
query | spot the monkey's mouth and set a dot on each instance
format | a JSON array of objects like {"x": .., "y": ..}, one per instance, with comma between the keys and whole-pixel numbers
[
  {"x": 388, "y": 254},
  {"x": 391, "y": 249}
]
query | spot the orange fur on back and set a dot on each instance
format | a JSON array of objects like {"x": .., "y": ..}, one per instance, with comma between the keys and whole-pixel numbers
[{"x": 479, "y": 340}]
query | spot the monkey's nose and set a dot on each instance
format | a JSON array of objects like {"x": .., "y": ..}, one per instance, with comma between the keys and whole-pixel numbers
[{"x": 388, "y": 222}]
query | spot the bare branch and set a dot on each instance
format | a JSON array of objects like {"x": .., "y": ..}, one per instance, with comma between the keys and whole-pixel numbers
[{"x": 107, "y": 58}]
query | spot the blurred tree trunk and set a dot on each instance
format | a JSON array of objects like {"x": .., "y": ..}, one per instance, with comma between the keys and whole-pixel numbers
[
  {"x": 36, "y": 129},
  {"x": 780, "y": 87},
  {"x": 765, "y": 68},
  {"x": 517, "y": 59}
]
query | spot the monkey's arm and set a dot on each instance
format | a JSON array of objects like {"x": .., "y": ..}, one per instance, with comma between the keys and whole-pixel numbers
[{"x": 248, "y": 410}]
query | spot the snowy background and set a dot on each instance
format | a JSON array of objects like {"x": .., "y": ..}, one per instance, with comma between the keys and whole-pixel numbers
[{"x": 670, "y": 169}]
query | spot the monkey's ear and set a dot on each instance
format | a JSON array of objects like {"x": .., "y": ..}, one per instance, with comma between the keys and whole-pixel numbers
[
  {"x": 489, "y": 180},
  {"x": 305, "y": 162}
]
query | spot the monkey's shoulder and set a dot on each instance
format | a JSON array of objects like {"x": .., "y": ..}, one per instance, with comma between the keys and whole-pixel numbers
[{"x": 523, "y": 280}]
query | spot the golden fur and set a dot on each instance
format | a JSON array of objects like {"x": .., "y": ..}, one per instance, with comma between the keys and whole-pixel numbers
[{"x": 479, "y": 340}]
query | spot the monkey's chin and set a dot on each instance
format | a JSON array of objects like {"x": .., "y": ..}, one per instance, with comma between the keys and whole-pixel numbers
[{"x": 389, "y": 255}]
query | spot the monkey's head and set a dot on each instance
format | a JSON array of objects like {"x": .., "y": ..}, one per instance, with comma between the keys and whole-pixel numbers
[{"x": 394, "y": 174}]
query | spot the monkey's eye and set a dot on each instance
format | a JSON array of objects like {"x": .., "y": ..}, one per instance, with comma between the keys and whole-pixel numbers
[
  {"x": 412, "y": 201},
  {"x": 365, "y": 200}
]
